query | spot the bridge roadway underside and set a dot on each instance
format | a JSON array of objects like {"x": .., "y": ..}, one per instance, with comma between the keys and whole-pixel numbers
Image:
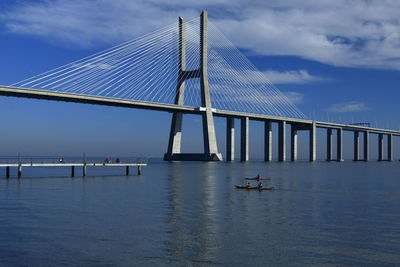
[{"x": 297, "y": 124}]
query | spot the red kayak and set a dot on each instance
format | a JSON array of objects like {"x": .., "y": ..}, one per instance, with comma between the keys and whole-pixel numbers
[{"x": 253, "y": 187}]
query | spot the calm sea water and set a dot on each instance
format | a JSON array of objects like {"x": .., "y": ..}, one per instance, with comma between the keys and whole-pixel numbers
[{"x": 185, "y": 214}]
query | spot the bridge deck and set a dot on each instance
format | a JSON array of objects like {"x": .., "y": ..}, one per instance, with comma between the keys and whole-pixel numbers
[{"x": 106, "y": 101}]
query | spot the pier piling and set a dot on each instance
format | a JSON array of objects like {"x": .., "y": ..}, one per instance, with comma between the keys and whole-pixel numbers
[
  {"x": 339, "y": 144},
  {"x": 230, "y": 139},
  {"x": 356, "y": 146},
  {"x": 313, "y": 142},
  {"x": 390, "y": 147},
  {"x": 293, "y": 143},
  {"x": 267, "y": 140},
  {"x": 380, "y": 147},
  {"x": 282, "y": 141},
  {"x": 329, "y": 137},
  {"x": 366, "y": 146},
  {"x": 244, "y": 139}
]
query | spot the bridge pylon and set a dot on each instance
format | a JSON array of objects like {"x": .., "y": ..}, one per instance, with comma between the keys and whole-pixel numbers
[{"x": 209, "y": 137}]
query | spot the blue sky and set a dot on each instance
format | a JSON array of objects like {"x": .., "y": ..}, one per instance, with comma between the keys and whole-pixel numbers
[{"x": 337, "y": 60}]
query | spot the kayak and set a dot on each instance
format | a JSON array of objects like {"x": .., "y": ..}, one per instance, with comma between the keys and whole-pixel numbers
[
  {"x": 256, "y": 179},
  {"x": 253, "y": 187}
]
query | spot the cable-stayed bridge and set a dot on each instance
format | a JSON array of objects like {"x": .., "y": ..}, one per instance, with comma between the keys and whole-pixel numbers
[{"x": 192, "y": 68}]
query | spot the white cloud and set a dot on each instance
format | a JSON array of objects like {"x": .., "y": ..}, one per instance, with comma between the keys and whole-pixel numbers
[
  {"x": 353, "y": 106},
  {"x": 294, "y": 97},
  {"x": 239, "y": 70},
  {"x": 86, "y": 23},
  {"x": 291, "y": 76},
  {"x": 364, "y": 33}
]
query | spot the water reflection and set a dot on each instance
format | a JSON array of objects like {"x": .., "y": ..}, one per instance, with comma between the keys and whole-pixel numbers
[{"x": 192, "y": 212}]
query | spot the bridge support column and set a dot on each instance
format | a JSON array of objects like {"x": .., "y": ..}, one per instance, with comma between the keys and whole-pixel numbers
[
  {"x": 8, "y": 172},
  {"x": 267, "y": 140},
  {"x": 244, "y": 139},
  {"x": 390, "y": 148},
  {"x": 293, "y": 143},
  {"x": 356, "y": 146},
  {"x": 380, "y": 147},
  {"x": 72, "y": 171},
  {"x": 282, "y": 141},
  {"x": 175, "y": 136},
  {"x": 127, "y": 170},
  {"x": 339, "y": 144},
  {"x": 329, "y": 137},
  {"x": 230, "y": 139},
  {"x": 366, "y": 146},
  {"x": 313, "y": 142},
  {"x": 209, "y": 137}
]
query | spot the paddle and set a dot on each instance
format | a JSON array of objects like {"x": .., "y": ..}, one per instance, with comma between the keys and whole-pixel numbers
[{"x": 255, "y": 178}]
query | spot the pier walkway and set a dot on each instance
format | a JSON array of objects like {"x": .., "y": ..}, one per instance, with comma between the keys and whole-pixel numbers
[{"x": 83, "y": 165}]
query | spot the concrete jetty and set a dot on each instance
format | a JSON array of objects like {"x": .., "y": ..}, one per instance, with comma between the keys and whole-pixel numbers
[{"x": 72, "y": 165}]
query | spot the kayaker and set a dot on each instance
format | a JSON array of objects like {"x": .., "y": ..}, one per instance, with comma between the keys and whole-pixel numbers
[
  {"x": 260, "y": 185},
  {"x": 248, "y": 185}
]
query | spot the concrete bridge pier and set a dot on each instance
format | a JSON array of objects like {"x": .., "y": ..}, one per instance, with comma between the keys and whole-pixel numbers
[
  {"x": 72, "y": 171},
  {"x": 313, "y": 142},
  {"x": 282, "y": 141},
  {"x": 244, "y": 139},
  {"x": 366, "y": 146},
  {"x": 295, "y": 128},
  {"x": 267, "y": 141},
  {"x": 329, "y": 138},
  {"x": 209, "y": 137},
  {"x": 8, "y": 172},
  {"x": 390, "y": 147},
  {"x": 339, "y": 144},
  {"x": 230, "y": 139},
  {"x": 293, "y": 143},
  {"x": 380, "y": 147},
  {"x": 356, "y": 146}
]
